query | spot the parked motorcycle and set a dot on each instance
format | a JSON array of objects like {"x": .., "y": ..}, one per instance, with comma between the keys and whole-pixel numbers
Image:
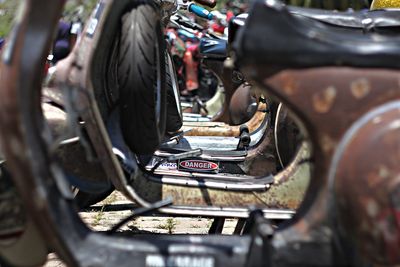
[{"x": 226, "y": 104}]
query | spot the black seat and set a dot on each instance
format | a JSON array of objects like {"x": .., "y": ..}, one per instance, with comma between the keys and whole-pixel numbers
[
  {"x": 367, "y": 20},
  {"x": 213, "y": 48},
  {"x": 273, "y": 36}
]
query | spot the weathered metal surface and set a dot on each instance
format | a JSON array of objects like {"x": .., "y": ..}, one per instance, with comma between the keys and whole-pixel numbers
[
  {"x": 261, "y": 158},
  {"x": 56, "y": 119},
  {"x": 329, "y": 101},
  {"x": 230, "y": 86},
  {"x": 72, "y": 155},
  {"x": 372, "y": 146},
  {"x": 286, "y": 192},
  {"x": 42, "y": 182},
  {"x": 22, "y": 67},
  {"x": 243, "y": 104},
  {"x": 221, "y": 129},
  {"x": 13, "y": 217}
]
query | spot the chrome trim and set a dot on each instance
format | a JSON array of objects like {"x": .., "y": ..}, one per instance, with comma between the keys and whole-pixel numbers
[
  {"x": 205, "y": 156},
  {"x": 227, "y": 182},
  {"x": 272, "y": 214}
]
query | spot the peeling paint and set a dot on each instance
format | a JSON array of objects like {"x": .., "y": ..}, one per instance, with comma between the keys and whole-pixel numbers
[
  {"x": 290, "y": 85},
  {"x": 324, "y": 100},
  {"x": 327, "y": 143},
  {"x": 360, "y": 88}
]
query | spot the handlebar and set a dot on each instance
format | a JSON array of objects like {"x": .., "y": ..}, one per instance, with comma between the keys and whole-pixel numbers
[
  {"x": 185, "y": 22},
  {"x": 190, "y": 25},
  {"x": 209, "y": 3},
  {"x": 200, "y": 11}
]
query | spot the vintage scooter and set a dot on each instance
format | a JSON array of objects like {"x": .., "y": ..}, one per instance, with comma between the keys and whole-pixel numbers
[
  {"x": 232, "y": 147},
  {"x": 60, "y": 134},
  {"x": 233, "y": 102},
  {"x": 351, "y": 189},
  {"x": 242, "y": 159}
]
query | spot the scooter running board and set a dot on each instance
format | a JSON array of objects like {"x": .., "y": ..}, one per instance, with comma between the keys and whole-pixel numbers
[
  {"x": 220, "y": 181},
  {"x": 232, "y": 156},
  {"x": 272, "y": 214}
]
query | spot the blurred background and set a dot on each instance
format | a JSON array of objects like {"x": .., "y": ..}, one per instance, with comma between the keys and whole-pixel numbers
[{"x": 84, "y": 7}]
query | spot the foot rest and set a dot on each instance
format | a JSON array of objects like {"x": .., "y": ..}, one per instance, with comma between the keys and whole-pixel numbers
[{"x": 207, "y": 154}]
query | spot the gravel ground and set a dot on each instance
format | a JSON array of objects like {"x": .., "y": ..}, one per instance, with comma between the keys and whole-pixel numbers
[{"x": 100, "y": 220}]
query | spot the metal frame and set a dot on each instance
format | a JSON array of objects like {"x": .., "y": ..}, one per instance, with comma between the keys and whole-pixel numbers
[{"x": 366, "y": 119}]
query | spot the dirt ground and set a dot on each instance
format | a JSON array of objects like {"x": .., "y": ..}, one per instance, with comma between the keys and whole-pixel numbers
[{"x": 99, "y": 219}]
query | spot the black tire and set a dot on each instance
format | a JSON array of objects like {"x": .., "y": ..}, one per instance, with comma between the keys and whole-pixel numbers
[
  {"x": 141, "y": 79},
  {"x": 174, "y": 110}
]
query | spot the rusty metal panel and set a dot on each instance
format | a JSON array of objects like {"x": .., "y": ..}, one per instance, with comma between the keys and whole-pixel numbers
[
  {"x": 287, "y": 191},
  {"x": 222, "y": 129},
  {"x": 368, "y": 160}
]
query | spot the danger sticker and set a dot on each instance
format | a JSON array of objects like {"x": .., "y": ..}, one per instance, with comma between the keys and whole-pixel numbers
[{"x": 198, "y": 165}]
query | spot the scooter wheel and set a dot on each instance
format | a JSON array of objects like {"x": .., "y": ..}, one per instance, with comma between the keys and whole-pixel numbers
[
  {"x": 141, "y": 79},
  {"x": 174, "y": 110}
]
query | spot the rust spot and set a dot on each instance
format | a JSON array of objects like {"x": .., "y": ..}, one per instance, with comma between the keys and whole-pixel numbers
[
  {"x": 290, "y": 85},
  {"x": 323, "y": 101},
  {"x": 360, "y": 88},
  {"x": 327, "y": 143}
]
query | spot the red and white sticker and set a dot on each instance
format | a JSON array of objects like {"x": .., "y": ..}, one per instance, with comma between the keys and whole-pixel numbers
[{"x": 198, "y": 165}]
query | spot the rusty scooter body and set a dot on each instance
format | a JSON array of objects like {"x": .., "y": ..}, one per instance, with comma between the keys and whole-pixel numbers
[
  {"x": 351, "y": 114},
  {"x": 350, "y": 188}
]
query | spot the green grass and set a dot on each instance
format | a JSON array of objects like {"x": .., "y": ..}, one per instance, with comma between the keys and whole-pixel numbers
[
  {"x": 99, "y": 216},
  {"x": 169, "y": 225},
  {"x": 8, "y": 9}
]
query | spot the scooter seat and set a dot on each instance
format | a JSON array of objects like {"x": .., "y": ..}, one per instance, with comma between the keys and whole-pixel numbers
[
  {"x": 281, "y": 40},
  {"x": 213, "y": 48},
  {"x": 367, "y": 20}
]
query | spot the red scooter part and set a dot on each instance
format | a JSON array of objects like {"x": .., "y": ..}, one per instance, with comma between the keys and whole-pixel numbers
[{"x": 191, "y": 67}]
